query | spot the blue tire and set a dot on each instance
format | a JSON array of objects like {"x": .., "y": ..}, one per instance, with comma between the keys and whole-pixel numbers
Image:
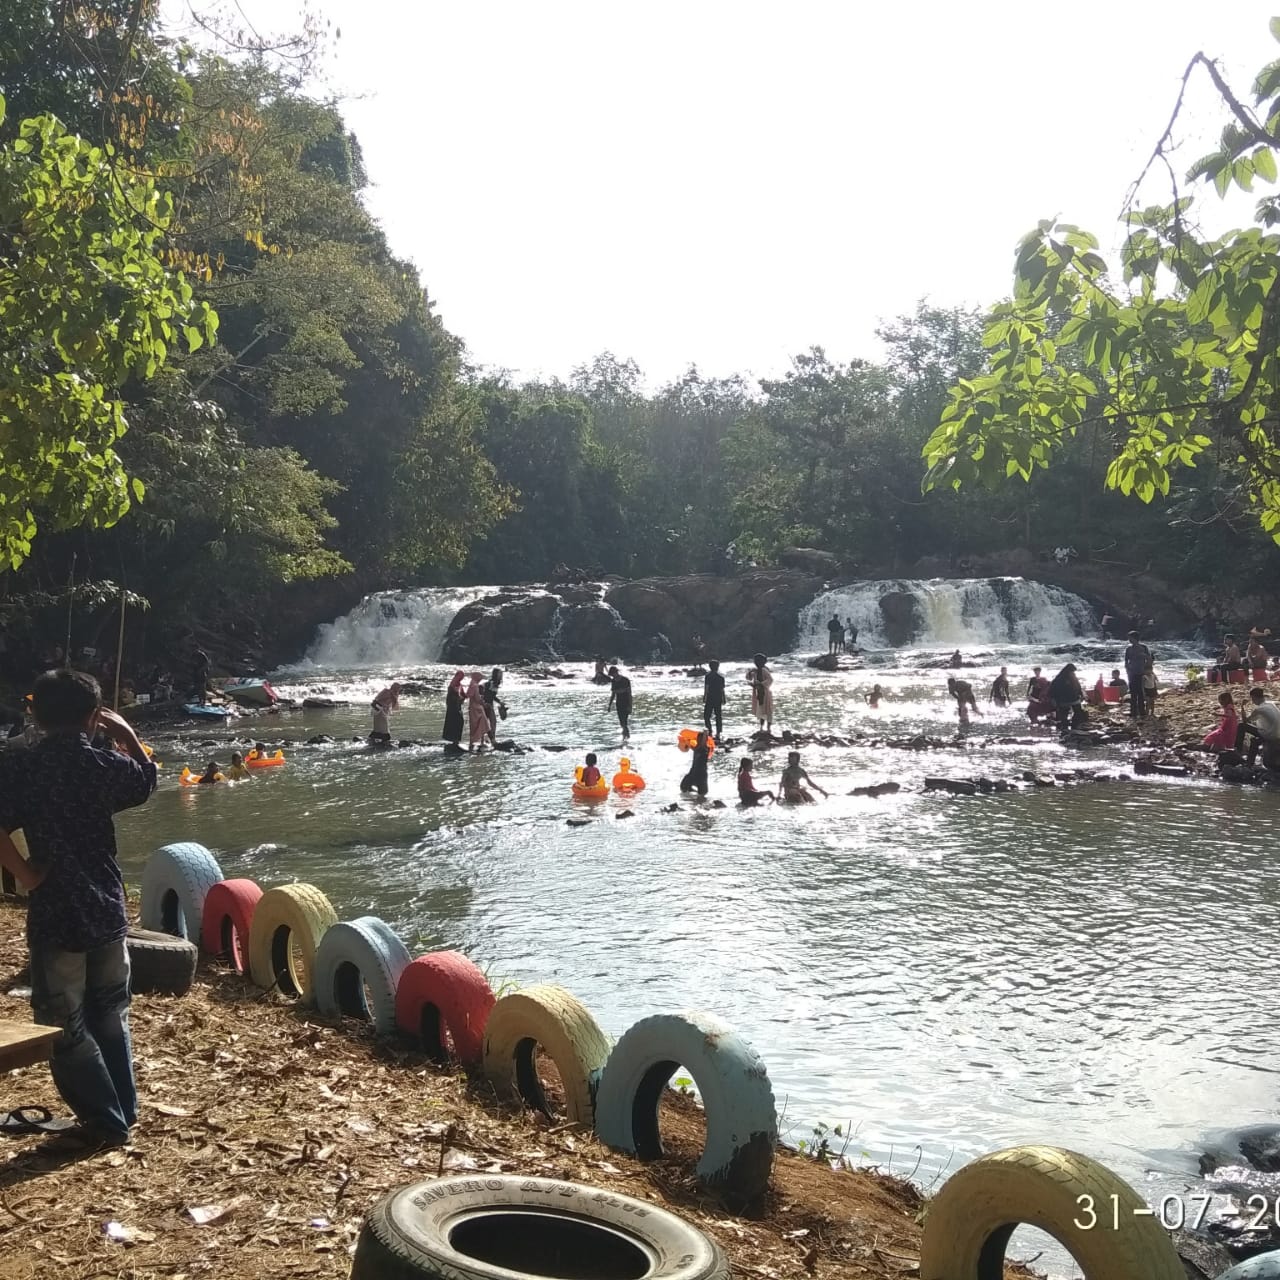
[
  {"x": 742, "y": 1123},
  {"x": 174, "y": 884},
  {"x": 356, "y": 956}
]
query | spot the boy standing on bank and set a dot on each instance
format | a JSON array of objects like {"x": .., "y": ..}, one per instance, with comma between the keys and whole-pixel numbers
[{"x": 63, "y": 794}]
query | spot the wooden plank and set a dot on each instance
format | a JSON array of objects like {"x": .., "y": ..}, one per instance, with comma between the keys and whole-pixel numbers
[{"x": 22, "y": 1044}]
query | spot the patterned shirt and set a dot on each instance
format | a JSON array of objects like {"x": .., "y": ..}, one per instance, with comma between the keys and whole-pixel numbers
[{"x": 63, "y": 793}]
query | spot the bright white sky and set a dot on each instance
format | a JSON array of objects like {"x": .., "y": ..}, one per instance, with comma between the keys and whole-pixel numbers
[{"x": 727, "y": 182}]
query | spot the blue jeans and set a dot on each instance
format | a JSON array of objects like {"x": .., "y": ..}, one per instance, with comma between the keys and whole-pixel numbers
[{"x": 86, "y": 993}]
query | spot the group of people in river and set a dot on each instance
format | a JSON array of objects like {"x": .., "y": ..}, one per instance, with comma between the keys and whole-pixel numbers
[{"x": 842, "y": 637}]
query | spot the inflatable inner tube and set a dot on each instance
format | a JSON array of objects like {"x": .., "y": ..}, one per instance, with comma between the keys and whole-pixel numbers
[
  {"x": 688, "y": 739},
  {"x": 189, "y": 779},
  {"x": 254, "y": 761}
]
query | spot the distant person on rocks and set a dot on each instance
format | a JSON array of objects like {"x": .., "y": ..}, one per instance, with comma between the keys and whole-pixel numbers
[
  {"x": 1150, "y": 687},
  {"x": 452, "y": 730},
  {"x": 1222, "y": 737},
  {"x": 835, "y": 634},
  {"x": 748, "y": 795},
  {"x": 1105, "y": 625},
  {"x": 620, "y": 697},
  {"x": 493, "y": 705},
  {"x": 852, "y": 629},
  {"x": 1039, "y": 704},
  {"x": 713, "y": 698},
  {"x": 1257, "y": 654},
  {"x": 601, "y": 675},
  {"x": 383, "y": 705},
  {"x": 696, "y": 778},
  {"x": 955, "y": 661},
  {"x": 1000, "y": 688},
  {"x": 63, "y": 794},
  {"x": 873, "y": 698},
  {"x": 962, "y": 692},
  {"x": 790, "y": 785},
  {"x": 1231, "y": 660},
  {"x": 477, "y": 716},
  {"x": 760, "y": 678},
  {"x": 1067, "y": 697},
  {"x": 1261, "y": 724},
  {"x": 1136, "y": 658},
  {"x": 200, "y": 677},
  {"x": 1117, "y": 681}
]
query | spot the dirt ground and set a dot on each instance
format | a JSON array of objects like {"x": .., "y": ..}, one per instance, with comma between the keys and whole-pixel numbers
[{"x": 266, "y": 1133}]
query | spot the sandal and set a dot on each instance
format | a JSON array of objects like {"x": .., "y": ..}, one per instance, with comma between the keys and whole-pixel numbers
[{"x": 24, "y": 1120}]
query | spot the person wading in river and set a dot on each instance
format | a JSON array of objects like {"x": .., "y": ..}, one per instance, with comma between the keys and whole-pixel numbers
[
  {"x": 477, "y": 717},
  {"x": 620, "y": 696},
  {"x": 760, "y": 678},
  {"x": 713, "y": 698},
  {"x": 835, "y": 634},
  {"x": 383, "y": 705},
  {"x": 962, "y": 692},
  {"x": 452, "y": 731},
  {"x": 1067, "y": 697}
]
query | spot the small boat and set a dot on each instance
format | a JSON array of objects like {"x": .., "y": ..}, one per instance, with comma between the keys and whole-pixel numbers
[
  {"x": 256, "y": 693},
  {"x": 197, "y": 712}
]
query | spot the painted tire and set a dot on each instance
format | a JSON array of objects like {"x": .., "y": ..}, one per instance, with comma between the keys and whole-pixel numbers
[
  {"x": 356, "y": 955},
  {"x": 174, "y": 883},
  {"x": 558, "y": 1021},
  {"x": 9, "y": 886},
  {"x": 226, "y": 920},
  {"x": 742, "y": 1122},
  {"x": 517, "y": 1228},
  {"x": 444, "y": 992},
  {"x": 159, "y": 963},
  {"x": 1266, "y": 1266},
  {"x": 290, "y": 912},
  {"x": 968, "y": 1223}
]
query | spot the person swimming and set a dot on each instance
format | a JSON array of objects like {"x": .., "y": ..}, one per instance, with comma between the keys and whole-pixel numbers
[
  {"x": 873, "y": 698},
  {"x": 237, "y": 771},
  {"x": 210, "y": 774}
]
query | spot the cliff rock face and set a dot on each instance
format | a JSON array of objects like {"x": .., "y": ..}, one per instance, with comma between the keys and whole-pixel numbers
[{"x": 650, "y": 619}]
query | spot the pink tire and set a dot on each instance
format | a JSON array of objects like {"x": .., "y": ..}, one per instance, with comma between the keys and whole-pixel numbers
[
  {"x": 224, "y": 926},
  {"x": 444, "y": 993}
]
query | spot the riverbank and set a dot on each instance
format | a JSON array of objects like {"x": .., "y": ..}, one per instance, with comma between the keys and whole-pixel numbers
[{"x": 266, "y": 1133}]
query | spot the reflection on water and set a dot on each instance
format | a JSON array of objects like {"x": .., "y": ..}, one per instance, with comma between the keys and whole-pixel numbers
[{"x": 1062, "y": 966}]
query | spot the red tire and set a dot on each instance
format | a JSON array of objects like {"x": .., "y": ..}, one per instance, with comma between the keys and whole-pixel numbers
[
  {"x": 444, "y": 992},
  {"x": 224, "y": 925}
]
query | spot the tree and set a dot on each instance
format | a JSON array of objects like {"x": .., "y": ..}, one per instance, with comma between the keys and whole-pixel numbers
[
  {"x": 1177, "y": 366},
  {"x": 85, "y": 305}
]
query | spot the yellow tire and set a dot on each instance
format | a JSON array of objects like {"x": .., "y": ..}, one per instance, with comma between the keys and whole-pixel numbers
[
  {"x": 968, "y": 1224},
  {"x": 557, "y": 1020},
  {"x": 286, "y": 929},
  {"x": 9, "y": 883}
]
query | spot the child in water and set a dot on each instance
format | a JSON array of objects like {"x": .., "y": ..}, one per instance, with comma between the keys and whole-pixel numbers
[
  {"x": 590, "y": 772},
  {"x": 873, "y": 698},
  {"x": 696, "y": 778},
  {"x": 259, "y": 752},
  {"x": 237, "y": 770},
  {"x": 747, "y": 792},
  {"x": 211, "y": 774},
  {"x": 789, "y": 789}
]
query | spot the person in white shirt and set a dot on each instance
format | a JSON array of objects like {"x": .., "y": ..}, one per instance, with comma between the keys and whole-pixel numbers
[{"x": 1261, "y": 723}]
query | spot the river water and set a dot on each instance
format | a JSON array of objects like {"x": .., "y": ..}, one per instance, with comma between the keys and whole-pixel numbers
[{"x": 1088, "y": 967}]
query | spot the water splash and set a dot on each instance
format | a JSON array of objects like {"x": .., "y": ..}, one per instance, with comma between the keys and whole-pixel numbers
[{"x": 953, "y": 611}]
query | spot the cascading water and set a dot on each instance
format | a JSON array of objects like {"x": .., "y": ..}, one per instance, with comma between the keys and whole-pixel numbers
[
  {"x": 948, "y": 611},
  {"x": 392, "y": 628}
]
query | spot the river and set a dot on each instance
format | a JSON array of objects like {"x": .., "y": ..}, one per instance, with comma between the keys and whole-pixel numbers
[{"x": 942, "y": 975}]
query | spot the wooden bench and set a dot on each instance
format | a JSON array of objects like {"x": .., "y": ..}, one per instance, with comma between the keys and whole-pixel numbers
[{"x": 23, "y": 1044}]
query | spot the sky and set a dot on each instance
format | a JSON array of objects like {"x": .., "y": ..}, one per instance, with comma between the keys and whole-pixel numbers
[{"x": 729, "y": 183}]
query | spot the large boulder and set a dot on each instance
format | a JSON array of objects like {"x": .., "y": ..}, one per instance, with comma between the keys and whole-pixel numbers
[
  {"x": 587, "y": 631},
  {"x": 901, "y": 620},
  {"x": 500, "y": 629},
  {"x": 822, "y": 564}
]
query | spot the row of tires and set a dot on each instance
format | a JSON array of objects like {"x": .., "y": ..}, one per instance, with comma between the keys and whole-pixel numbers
[{"x": 289, "y": 938}]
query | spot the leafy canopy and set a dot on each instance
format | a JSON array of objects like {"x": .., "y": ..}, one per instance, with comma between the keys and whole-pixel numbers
[
  {"x": 1178, "y": 363},
  {"x": 85, "y": 304}
]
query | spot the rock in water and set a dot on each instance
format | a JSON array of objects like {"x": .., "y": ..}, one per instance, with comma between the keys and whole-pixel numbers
[{"x": 825, "y": 662}]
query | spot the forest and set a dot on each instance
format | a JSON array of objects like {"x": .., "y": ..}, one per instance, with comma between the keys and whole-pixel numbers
[{"x": 224, "y": 394}]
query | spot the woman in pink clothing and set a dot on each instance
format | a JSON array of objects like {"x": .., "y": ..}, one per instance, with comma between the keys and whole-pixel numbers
[
  {"x": 1223, "y": 736},
  {"x": 477, "y": 716}
]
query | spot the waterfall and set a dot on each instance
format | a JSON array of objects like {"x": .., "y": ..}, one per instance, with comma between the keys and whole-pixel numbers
[
  {"x": 944, "y": 612},
  {"x": 392, "y": 628}
]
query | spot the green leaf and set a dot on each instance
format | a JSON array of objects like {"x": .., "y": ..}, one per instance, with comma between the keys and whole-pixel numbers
[
  {"x": 1274, "y": 24},
  {"x": 1264, "y": 163},
  {"x": 139, "y": 489}
]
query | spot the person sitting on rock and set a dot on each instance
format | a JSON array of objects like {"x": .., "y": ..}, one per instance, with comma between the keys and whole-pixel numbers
[
  {"x": 1039, "y": 704},
  {"x": 748, "y": 794},
  {"x": 601, "y": 676},
  {"x": 1261, "y": 724},
  {"x": 1231, "y": 660},
  {"x": 955, "y": 661},
  {"x": 1118, "y": 681},
  {"x": 962, "y": 692},
  {"x": 696, "y": 778},
  {"x": 790, "y": 790},
  {"x": 1257, "y": 654},
  {"x": 1222, "y": 737}
]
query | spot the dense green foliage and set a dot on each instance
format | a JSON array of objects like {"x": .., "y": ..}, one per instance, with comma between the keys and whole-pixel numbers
[
  {"x": 184, "y": 252},
  {"x": 1175, "y": 367}
]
